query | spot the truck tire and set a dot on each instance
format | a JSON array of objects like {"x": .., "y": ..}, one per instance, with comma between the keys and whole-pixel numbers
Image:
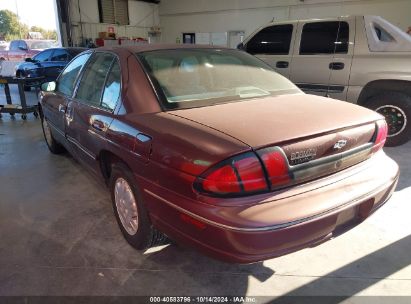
[{"x": 396, "y": 108}]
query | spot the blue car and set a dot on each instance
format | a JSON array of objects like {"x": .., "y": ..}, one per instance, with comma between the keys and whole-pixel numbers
[{"x": 48, "y": 63}]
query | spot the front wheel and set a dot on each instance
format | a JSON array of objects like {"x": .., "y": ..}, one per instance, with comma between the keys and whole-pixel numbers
[
  {"x": 130, "y": 211},
  {"x": 52, "y": 144},
  {"x": 396, "y": 108}
]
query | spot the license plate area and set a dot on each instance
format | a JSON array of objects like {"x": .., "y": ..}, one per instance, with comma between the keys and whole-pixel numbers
[
  {"x": 352, "y": 216},
  {"x": 347, "y": 216}
]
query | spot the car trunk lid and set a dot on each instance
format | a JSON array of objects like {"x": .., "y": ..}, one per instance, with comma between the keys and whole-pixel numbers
[
  {"x": 318, "y": 136},
  {"x": 281, "y": 119}
]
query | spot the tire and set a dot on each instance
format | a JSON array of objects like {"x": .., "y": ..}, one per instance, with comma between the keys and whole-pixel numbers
[
  {"x": 396, "y": 108},
  {"x": 141, "y": 234},
  {"x": 52, "y": 144}
]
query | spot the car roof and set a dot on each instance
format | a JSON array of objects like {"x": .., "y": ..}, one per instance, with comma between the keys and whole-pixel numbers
[
  {"x": 321, "y": 19},
  {"x": 81, "y": 49},
  {"x": 154, "y": 47}
]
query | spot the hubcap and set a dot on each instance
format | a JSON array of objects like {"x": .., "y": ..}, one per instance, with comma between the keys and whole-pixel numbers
[
  {"x": 126, "y": 206},
  {"x": 395, "y": 117},
  {"x": 47, "y": 132}
]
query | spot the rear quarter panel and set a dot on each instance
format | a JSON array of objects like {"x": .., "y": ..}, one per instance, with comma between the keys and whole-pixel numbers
[{"x": 181, "y": 150}]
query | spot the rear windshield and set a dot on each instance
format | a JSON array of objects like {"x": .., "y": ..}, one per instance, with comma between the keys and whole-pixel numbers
[{"x": 188, "y": 78}]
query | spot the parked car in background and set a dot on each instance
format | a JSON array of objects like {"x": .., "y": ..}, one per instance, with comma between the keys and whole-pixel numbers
[
  {"x": 48, "y": 63},
  {"x": 214, "y": 149},
  {"x": 363, "y": 60},
  {"x": 19, "y": 50},
  {"x": 3, "y": 45}
]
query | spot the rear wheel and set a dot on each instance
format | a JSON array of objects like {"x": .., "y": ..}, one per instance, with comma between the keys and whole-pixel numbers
[
  {"x": 52, "y": 144},
  {"x": 396, "y": 108},
  {"x": 130, "y": 211}
]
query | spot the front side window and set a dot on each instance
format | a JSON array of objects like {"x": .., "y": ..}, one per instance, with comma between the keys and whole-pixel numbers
[
  {"x": 324, "y": 38},
  {"x": 14, "y": 45},
  {"x": 272, "y": 40},
  {"x": 43, "y": 56},
  {"x": 67, "y": 79},
  {"x": 94, "y": 76},
  {"x": 199, "y": 77}
]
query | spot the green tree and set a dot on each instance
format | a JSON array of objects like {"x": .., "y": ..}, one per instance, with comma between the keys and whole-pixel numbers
[
  {"x": 47, "y": 34},
  {"x": 9, "y": 24},
  {"x": 11, "y": 28}
]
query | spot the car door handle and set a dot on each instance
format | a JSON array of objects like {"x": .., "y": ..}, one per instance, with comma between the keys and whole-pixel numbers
[
  {"x": 98, "y": 125},
  {"x": 62, "y": 108},
  {"x": 336, "y": 66},
  {"x": 282, "y": 64}
]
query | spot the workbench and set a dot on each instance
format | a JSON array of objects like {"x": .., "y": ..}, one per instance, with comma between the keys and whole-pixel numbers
[{"x": 21, "y": 108}]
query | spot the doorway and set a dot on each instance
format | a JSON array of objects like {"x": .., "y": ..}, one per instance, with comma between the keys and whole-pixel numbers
[{"x": 189, "y": 38}]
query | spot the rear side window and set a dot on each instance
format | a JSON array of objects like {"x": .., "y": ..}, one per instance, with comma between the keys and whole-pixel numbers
[
  {"x": 43, "y": 56},
  {"x": 274, "y": 40},
  {"x": 67, "y": 79},
  {"x": 324, "y": 38},
  {"x": 92, "y": 82},
  {"x": 382, "y": 34},
  {"x": 23, "y": 45},
  {"x": 112, "y": 88},
  {"x": 60, "y": 55}
]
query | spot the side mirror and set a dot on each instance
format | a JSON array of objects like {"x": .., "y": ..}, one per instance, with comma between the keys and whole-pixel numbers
[
  {"x": 22, "y": 48},
  {"x": 48, "y": 86},
  {"x": 28, "y": 60}
]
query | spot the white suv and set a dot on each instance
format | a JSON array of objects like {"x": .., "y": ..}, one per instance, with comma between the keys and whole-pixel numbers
[{"x": 360, "y": 59}]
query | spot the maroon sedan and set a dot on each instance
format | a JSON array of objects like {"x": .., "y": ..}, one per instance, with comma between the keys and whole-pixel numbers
[{"x": 212, "y": 148}]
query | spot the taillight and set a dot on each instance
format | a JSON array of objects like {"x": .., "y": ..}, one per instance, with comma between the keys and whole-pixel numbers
[
  {"x": 381, "y": 135},
  {"x": 242, "y": 174},
  {"x": 276, "y": 165},
  {"x": 222, "y": 180}
]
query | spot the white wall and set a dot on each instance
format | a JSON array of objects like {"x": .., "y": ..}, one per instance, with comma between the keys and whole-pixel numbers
[
  {"x": 142, "y": 16},
  {"x": 178, "y": 16}
]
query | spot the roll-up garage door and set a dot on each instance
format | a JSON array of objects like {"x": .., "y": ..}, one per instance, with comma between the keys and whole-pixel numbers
[
  {"x": 107, "y": 11},
  {"x": 121, "y": 11}
]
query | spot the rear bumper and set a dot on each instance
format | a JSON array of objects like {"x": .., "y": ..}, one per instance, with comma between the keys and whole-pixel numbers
[{"x": 278, "y": 224}]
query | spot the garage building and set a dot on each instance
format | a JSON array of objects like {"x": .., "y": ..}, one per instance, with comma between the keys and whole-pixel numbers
[{"x": 58, "y": 233}]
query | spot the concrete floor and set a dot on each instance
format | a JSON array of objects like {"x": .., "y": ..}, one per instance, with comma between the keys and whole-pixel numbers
[{"x": 59, "y": 237}]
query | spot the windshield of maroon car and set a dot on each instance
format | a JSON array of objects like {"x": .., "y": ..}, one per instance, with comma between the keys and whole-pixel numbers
[{"x": 188, "y": 78}]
